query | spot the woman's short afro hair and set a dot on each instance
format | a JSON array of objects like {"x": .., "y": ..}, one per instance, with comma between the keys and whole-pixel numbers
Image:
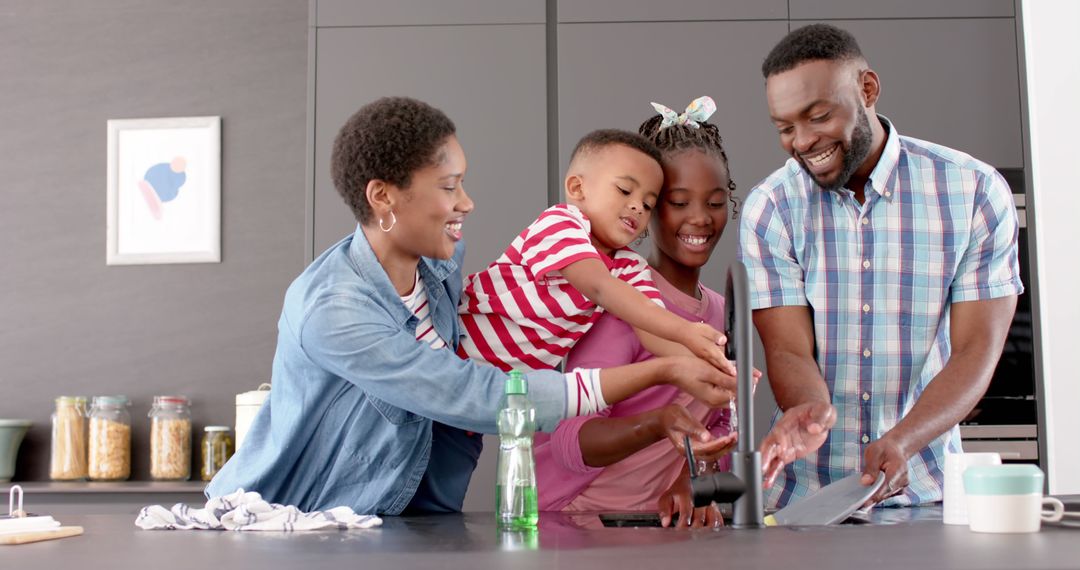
[{"x": 388, "y": 139}]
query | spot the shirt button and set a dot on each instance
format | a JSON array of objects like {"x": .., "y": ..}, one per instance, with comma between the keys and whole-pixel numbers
[
  {"x": 865, "y": 397},
  {"x": 866, "y": 308},
  {"x": 865, "y": 438},
  {"x": 887, "y": 193},
  {"x": 866, "y": 353},
  {"x": 866, "y": 264},
  {"x": 865, "y": 221}
]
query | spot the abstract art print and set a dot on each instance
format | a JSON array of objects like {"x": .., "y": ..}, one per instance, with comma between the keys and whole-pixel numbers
[{"x": 164, "y": 191}]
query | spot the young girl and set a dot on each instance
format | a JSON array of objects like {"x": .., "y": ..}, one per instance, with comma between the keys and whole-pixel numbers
[
  {"x": 528, "y": 308},
  {"x": 617, "y": 460}
]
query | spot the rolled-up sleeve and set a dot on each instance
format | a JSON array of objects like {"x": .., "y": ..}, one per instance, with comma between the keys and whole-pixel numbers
[
  {"x": 989, "y": 267},
  {"x": 610, "y": 342}
]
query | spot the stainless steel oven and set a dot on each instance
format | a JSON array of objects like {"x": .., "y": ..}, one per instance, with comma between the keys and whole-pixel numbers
[{"x": 1006, "y": 419}]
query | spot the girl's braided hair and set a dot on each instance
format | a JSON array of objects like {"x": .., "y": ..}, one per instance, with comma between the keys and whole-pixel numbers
[{"x": 677, "y": 138}]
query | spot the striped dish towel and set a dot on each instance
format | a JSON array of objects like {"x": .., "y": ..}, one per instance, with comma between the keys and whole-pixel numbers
[{"x": 248, "y": 511}]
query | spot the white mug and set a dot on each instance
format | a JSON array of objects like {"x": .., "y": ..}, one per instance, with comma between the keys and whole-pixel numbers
[
  {"x": 954, "y": 500},
  {"x": 1008, "y": 498}
]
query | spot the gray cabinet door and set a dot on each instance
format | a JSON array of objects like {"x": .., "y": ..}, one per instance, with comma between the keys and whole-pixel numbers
[
  {"x": 333, "y": 13},
  {"x": 671, "y": 10},
  {"x": 950, "y": 81},
  {"x": 490, "y": 80},
  {"x": 852, "y": 9}
]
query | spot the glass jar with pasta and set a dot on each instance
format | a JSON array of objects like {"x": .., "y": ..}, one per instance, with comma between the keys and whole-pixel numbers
[
  {"x": 110, "y": 439},
  {"x": 170, "y": 439},
  {"x": 69, "y": 433}
]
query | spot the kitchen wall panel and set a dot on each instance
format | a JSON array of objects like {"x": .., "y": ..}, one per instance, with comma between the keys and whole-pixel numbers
[
  {"x": 488, "y": 79},
  {"x": 672, "y": 10},
  {"x": 73, "y": 326},
  {"x": 875, "y": 9},
  {"x": 951, "y": 81},
  {"x": 349, "y": 13}
]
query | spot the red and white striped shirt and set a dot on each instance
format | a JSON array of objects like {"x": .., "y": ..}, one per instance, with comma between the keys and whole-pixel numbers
[
  {"x": 417, "y": 302},
  {"x": 521, "y": 313}
]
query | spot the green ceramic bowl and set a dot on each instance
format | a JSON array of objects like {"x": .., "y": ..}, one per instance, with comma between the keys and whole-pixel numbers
[{"x": 11, "y": 435}]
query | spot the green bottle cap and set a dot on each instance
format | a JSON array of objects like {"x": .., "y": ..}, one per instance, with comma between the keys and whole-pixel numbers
[{"x": 516, "y": 383}]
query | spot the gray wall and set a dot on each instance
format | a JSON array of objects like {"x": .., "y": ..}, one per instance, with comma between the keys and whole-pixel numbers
[{"x": 71, "y": 325}]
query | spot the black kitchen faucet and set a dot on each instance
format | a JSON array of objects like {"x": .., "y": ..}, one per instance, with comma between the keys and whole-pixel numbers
[{"x": 743, "y": 484}]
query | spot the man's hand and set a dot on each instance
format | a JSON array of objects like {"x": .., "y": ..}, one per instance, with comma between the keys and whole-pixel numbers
[
  {"x": 888, "y": 456},
  {"x": 801, "y": 430},
  {"x": 680, "y": 499},
  {"x": 676, "y": 423},
  {"x": 699, "y": 379},
  {"x": 708, "y": 343}
]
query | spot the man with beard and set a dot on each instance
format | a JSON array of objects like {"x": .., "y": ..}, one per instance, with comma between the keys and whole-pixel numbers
[{"x": 883, "y": 275}]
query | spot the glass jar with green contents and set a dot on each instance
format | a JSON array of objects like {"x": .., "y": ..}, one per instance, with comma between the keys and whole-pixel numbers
[{"x": 217, "y": 448}]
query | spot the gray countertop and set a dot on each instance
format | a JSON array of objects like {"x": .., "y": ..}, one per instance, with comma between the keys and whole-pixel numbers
[{"x": 909, "y": 539}]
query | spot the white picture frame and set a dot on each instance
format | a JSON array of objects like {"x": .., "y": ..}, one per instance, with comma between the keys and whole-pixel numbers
[{"x": 163, "y": 191}]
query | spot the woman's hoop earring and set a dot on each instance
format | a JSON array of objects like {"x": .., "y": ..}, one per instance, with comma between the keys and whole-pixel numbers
[{"x": 393, "y": 221}]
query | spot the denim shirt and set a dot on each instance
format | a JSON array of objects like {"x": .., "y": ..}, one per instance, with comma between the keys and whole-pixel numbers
[{"x": 349, "y": 418}]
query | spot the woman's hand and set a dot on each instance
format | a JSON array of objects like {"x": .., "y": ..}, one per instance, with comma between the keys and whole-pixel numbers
[{"x": 679, "y": 499}]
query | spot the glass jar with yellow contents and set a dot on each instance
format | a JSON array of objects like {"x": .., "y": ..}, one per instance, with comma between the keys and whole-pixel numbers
[
  {"x": 69, "y": 435},
  {"x": 217, "y": 448},
  {"x": 109, "y": 458},
  {"x": 170, "y": 439}
]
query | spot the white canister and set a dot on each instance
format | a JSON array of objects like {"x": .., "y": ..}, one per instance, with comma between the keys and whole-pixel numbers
[
  {"x": 247, "y": 405},
  {"x": 954, "y": 500},
  {"x": 1008, "y": 498}
]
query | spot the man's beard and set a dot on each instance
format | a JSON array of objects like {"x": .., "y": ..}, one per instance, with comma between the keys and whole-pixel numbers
[{"x": 859, "y": 148}]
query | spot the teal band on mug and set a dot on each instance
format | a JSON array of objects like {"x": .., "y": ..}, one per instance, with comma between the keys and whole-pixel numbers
[{"x": 1003, "y": 480}]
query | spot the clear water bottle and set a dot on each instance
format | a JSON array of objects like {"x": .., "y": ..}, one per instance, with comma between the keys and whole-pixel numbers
[{"x": 516, "y": 503}]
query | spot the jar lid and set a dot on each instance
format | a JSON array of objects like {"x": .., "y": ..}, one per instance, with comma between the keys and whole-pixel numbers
[
  {"x": 170, "y": 400},
  {"x": 216, "y": 428},
  {"x": 1009, "y": 479},
  {"x": 110, "y": 400},
  {"x": 254, "y": 397},
  {"x": 71, "y": 400}
]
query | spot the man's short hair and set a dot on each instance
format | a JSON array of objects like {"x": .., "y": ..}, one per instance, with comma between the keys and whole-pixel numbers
[{"x": 810, "y": 43}]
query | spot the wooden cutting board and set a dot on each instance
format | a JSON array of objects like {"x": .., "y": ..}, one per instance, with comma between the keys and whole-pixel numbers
[{"x": 39, "y": 535}]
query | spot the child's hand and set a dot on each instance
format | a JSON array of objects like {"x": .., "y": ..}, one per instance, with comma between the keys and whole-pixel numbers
[
  {"x": 708, "y": 343},
  {"x": 679, "y": 500}
]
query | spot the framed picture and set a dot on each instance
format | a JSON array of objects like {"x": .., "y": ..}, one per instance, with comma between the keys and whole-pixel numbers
[{"x": 164, "y": 191}]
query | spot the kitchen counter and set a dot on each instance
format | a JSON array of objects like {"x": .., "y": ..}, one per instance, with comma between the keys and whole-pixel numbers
[
  {"x": 106, "y": 497},
  {"x": 898, "y": 538}
]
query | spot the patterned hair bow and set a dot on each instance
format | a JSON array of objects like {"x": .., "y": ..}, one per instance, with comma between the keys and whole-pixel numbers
[{"x": 698, "y": 111}]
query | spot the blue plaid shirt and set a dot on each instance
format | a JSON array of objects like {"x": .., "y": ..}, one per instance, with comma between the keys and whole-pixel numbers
[{"x": 937, "y": 227}]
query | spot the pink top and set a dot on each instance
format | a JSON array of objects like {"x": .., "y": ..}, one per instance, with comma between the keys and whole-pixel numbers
[{"x": 635, "y": 483}]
